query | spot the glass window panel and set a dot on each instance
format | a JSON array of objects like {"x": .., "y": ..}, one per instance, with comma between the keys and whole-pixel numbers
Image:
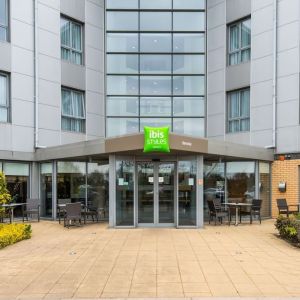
[
  {"x": 155, "y": 122},
  {"x": 155, "y": 85},
  {"x": 155, "y": 106},
  {"x": 76, "y": 36},
  {"x": 246, "y": 33},
  {"x": 155, "y": 64},
  {"x": 188, "y": 107},
  {"x": 245, "y": 124},
  {"x": 159, "y": 42},
  {"x": 234, "y": 37},
  {"x": 245, "y": 103},
  {"x": 155, "y": 21},
  {"x": 122, "y": 63},
  {"x": 3, "y": 90},
  {"x": 46, "y": 189},
  {"x": 234, "y": 105},
  {"x": 122, "y": 85},
  {"x": 234, "y": 58},
  {"x": 3, "y": 34},
  {"x": 67, "y": 108},
  {"x": 188, "y": 64},
  {"x": 65, "y": 29},
  {"x": 188, "y": 21},
  {"x": 265, "y": 188},
  {"x": 122, "y": 4},
  {"x": 78, "y": 105},
  {"x": 16, "y": 169},
  {"x": 122, "y": 106},
  {"x": 121, "y": 126},
  {"x": 245, "y": 55},
  {"x": 125, "y": 193},
  {"x": 46, "y": 168},
  {"x": 189, "y": 126},
  {"x": 188, "y": 85},
  {"x": 188, "y": 42},
  {"x": 189, "y": 4},
  {"x": 122, "y": 20},
  {"x": 187, "y": 203},
  {"x": 3, "y": 12},
  {"x": 3, "y": 114},
  {"x": 125, "y": 42},
  {"x": 156, "y": 4},
  {"x": 71, "y": 167}
]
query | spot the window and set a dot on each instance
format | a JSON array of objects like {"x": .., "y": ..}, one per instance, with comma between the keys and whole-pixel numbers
[
  {"x": 238, "y": 110},
  {"x": 72, "y": 110},
  {"x": 4, "y": 98},
  {"x": 71, "y": 41},
  {"x": 3, "y": 20},
  {"x": 240, "y": 42}
]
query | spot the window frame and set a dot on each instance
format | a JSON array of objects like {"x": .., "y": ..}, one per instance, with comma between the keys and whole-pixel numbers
[
  {"x": 70, "y": 48},
  {"x": 6, "y": 26},
  {"x": 8, "y": 101},
  {"x": 240, "y": 117},
  {"x": 240, "y": 48},
  {"x": 72, "y": 117}
]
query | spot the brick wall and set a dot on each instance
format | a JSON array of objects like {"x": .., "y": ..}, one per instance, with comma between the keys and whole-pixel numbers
[{"x": 287, "y": 171}]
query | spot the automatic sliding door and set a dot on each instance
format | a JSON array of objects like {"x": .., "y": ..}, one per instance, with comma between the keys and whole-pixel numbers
[
  {"x": 166, "y": 195},
  {"x": 146, "y": 192}
]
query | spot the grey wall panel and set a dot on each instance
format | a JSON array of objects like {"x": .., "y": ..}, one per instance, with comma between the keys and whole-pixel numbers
[
  {"x": 259, "y": 4},
  {"x": 288, "y": 88},
  {"x": 22, "y": 138},
  {"x": 286, "y": 36},
  {"x": 49, "y": 138},
  {"x": 49, "y": 68},
  {"x": 216, "y": 38},
  {"x": 288, "y": 113},
  {"x": 94, "y": 59},
  {"x": 262, "y": 19},
  {"x": 262, "y": 69},
  {"x": 262, "y": 45},
  {"x": 22, "y": 112},
  {"x": 216, "y": 104},
  {"x": 215, "y": 60},
  {"x": 6, "y": 137},
  {"x": 48, "y": 18},
  {"x": 95, "y": 103},
  {"x": 216, "y": 15},
  {"x": 22, "y": 87},
  {"x": 49, "y": 117},
  {"x": 237, "y": 76},
  {"x": 261, "y": 93},
  {"x": 94, "y": 125},
  {"x": 237, "y": 9},
  {"x": 94, "y": 81},
  {"x": 5, "y": 54},
  {"x": 22, "y": 61},
  {"x": 73, "y": 75},
  {"x": 215, "y": 126},
  {"x": 288, "y": 139},
  {"x": 261, "y": 138},
  {"x": 73, "y": 8},
  {"x": 50, "y": 92},
  {"x": 22, "y": 10},
  {"x": 288, "y": 11},
  {"x": 215, "y": 82},
  {"x": 90, "y": 33},
  {"x": 288, "y": 62},
  {"x": 70, "y": 137},
  {"x": 239, "y": 138},
  {"x": 22, "y": 34},
  {"x": 261, "y": 117},
  {"x": 94, "y": 13},
  {"x": 49, "y": 43}
]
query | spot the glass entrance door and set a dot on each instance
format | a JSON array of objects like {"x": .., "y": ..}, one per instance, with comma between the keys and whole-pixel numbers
[{"x": 156, "y": 192}]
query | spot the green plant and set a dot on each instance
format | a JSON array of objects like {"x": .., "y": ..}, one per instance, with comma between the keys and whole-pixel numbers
[
  {"x": 4, "y": 194},
  {"x": 289, "y": 227},
  {"x": 13, "y": 233}
]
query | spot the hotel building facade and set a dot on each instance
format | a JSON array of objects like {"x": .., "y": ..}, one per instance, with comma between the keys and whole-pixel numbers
[{"x": 80, "y": 79}]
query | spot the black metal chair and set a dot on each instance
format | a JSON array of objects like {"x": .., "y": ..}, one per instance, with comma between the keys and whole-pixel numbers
[
  {"x": 284, "y": 208},
  {"x": 62, "y": 210},
  {"x": 254, "y": 210},
  {"x": 32, "y": 208},
  {"x": 216, "y": 211},
  {"x": 73, "y": 213}
]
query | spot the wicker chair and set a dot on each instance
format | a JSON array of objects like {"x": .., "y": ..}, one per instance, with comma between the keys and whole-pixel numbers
[
  {"x": 216, "y": 211},
  {"x": 32, "y": 208},
  {"x": 73, "y": 213}
]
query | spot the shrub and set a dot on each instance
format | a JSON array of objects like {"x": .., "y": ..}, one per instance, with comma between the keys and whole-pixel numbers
[
  {"x": 289, "y": 227},
  {"x": 4, "y": 194},
  {"x": 13, "y": 233}
]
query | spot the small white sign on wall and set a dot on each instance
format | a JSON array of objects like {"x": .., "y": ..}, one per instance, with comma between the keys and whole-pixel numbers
[{"x": 121, "y": 181}]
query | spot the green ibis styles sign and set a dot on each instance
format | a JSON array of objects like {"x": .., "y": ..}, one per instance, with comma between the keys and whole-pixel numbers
[{"x": 156, "y": 139}]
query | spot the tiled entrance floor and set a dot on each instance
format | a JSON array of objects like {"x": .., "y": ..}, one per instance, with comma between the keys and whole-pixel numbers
[{"x": 96, "y": 262}]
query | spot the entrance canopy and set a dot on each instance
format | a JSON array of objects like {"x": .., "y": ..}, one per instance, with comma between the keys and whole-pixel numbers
[{"x": 133, "y": 145}]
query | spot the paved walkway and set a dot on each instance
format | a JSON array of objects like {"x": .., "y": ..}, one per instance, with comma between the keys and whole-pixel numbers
[{"x": 94, "y": 262}]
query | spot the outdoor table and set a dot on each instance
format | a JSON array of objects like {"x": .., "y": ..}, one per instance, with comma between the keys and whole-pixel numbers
[
  {"x": 237, "y": 207},
  {"x": 11, "y": 207},
  {"x": 63, "y": 206}
]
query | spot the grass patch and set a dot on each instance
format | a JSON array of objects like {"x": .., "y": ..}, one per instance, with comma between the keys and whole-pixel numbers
[{"x": 13, "y": 233}]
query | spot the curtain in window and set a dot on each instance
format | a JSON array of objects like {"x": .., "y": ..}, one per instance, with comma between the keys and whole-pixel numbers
[
  {"x": 3, "y": 12},
  {"x": 246, "y": 40},
  {"x": 245, "y": 101},
  {"x": 234, "y": 105},
  {"x": 65, "y": 39},
  {"x": 76, "y": 43},
  {"x": 78, "y": 105},
  {"x": 66, "y": 103},
  {"x": 234, "y": 44}
]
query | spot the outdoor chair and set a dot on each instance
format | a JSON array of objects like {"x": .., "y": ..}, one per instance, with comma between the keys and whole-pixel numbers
[
  {"x": 73, "y": 213},
  {"x": 62, "y": 210},
  {"x": 254, "y": 210},
  {"x": 284, "y": 208},
  {"x": 32, "y": 208},
  {"x": 216, "y": 211}
]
